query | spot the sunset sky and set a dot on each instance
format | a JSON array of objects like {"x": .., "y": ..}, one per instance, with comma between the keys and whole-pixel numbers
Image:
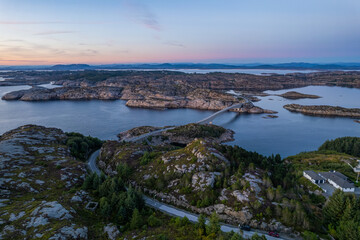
[{"x": 46, "y": 32}]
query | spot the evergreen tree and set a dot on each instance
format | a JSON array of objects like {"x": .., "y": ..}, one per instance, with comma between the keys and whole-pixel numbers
[
  {"x": 105, "y": 208},
  {"x": 236, "y": 236},
  {"x": 88, "y": 182},
  {"x": 136, "y": 219},
  {"x": 201, "y": 225},
  {"x": 214, "y": 225}
]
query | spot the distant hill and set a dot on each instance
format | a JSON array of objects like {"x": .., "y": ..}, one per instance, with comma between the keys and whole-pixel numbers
[{"x": 71, "y": 67}]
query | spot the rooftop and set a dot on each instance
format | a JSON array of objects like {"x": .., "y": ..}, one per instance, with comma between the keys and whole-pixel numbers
[
  {"x": 314, "y": 175},
  {"x": 338, "y": 178}
]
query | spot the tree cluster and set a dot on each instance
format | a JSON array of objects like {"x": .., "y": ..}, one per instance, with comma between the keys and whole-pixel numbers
[
  {"x": 116, "y": 203},
  {"x": 342, "y": 216},
  {"x": 348, "y": 145},
  {"x": 80, "y": 146}
]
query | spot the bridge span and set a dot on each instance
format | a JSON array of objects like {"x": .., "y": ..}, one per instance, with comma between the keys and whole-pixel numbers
[
  {"x": 203, "y": 121},
  {"x": 237, "y": 105}
]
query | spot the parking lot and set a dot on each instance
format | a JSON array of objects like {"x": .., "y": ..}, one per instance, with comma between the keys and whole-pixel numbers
[{"x": 328, "y": 189}]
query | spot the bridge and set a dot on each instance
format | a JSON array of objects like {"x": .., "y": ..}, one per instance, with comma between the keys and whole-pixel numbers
[
  {"x": 237, "y": 105},
  {"x": 203, "y": 121}
]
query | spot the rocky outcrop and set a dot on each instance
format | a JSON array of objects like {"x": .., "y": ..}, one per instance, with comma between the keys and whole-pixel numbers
[
  {"x": 111, "y": 231},
  {"x": 323, "y": 110},
  {"x": 142, "y": 96},
  {"x": 203, "y": 99},
  {"x": 37, "y": 172},
  {"x": 297, "y": 95},
  {"x": 66, "y": 93}
]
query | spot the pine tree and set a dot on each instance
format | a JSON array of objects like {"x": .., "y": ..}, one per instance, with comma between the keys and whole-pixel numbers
[
  {"x": 105, "y": 208},
  {"x": 236, "y": 236},
  {"x": 136, "y": 219},
  {"x": 201, "y": 225},
  {"x": 88, "y": 182},
  {"x": 334, "y": 208},
  {"x": 96, "y": 182},
  {"x": 214, "y": 225}
]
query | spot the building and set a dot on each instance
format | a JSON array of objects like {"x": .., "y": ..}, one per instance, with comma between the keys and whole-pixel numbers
[
  {"x": 338, "y": 180},
  {"x": 313, "y": 177}
]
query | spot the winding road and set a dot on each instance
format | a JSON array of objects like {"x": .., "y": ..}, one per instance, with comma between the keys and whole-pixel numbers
[
  {"x": 171, "y": 210},
  {"x": 176, "y": 212}
]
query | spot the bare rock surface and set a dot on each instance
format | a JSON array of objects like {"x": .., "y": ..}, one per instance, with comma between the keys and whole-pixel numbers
[{"x": 35, "y": 196}]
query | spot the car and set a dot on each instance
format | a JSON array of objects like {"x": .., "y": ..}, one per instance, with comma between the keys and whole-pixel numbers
[
  {"x": 273, "y": 234},
  {"x": 245, "y": 227}
]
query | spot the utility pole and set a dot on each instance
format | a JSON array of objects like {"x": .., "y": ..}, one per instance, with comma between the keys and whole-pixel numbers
[{"x": 356, "y": 169}]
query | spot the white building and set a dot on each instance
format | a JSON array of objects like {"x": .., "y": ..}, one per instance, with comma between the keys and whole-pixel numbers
[
  {"x": 338, "y": 180},
  {"x": 313, "y": 177}
]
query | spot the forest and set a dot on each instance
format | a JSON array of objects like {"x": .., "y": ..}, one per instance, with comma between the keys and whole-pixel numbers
[{"x": 348, "y": 145}]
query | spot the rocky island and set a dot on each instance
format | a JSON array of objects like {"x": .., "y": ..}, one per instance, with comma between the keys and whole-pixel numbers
[
  {"x": 296, "y": 95},
  {"x": 167, "y": 89},
  {"x": 142, "y": 98},
  {"x": 323, "y": 110}
]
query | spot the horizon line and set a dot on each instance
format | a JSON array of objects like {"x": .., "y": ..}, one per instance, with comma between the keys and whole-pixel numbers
[{"x": 175, "y": 63}]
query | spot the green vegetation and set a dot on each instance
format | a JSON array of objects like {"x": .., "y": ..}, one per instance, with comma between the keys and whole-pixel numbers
[
  {"x": 242, "y": 160},
  {"x": 148, "y": 157},
  {"x": 278, "y": 189},
  {"x": 126, "y": 208},
  {"x": 298, "y": 208},
  {"x": 324, "y": 160},
  {"x": 342, "y": 216},
  {"x": 116, "y": 204},
  {"x": 198, "y": 131},
  {"x": 348, "y": 145},
  {"x": 80, "y": 146}
]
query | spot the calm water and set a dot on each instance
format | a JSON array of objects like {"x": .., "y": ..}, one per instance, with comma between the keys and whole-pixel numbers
[{"x": 289, "y": 134}]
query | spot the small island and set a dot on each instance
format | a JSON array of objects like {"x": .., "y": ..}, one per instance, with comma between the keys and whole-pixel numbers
[
  {"x": 296, "y": 95},
  {"x": 270, "y": 116},
  {"x": 324, "y": 110}
]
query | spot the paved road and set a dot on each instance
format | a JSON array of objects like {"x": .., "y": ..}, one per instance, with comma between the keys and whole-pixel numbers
[
  {"x": 138, "y": 138},
  {"x": 92, "y": 162},
  {"x": 173, "y": 211}
]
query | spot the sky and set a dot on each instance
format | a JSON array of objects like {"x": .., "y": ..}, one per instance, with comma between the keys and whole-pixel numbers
[{"x": 47, "y": 32}]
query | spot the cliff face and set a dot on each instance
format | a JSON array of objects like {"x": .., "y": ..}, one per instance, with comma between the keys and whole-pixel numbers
[{"x": 323, "y": 110}]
